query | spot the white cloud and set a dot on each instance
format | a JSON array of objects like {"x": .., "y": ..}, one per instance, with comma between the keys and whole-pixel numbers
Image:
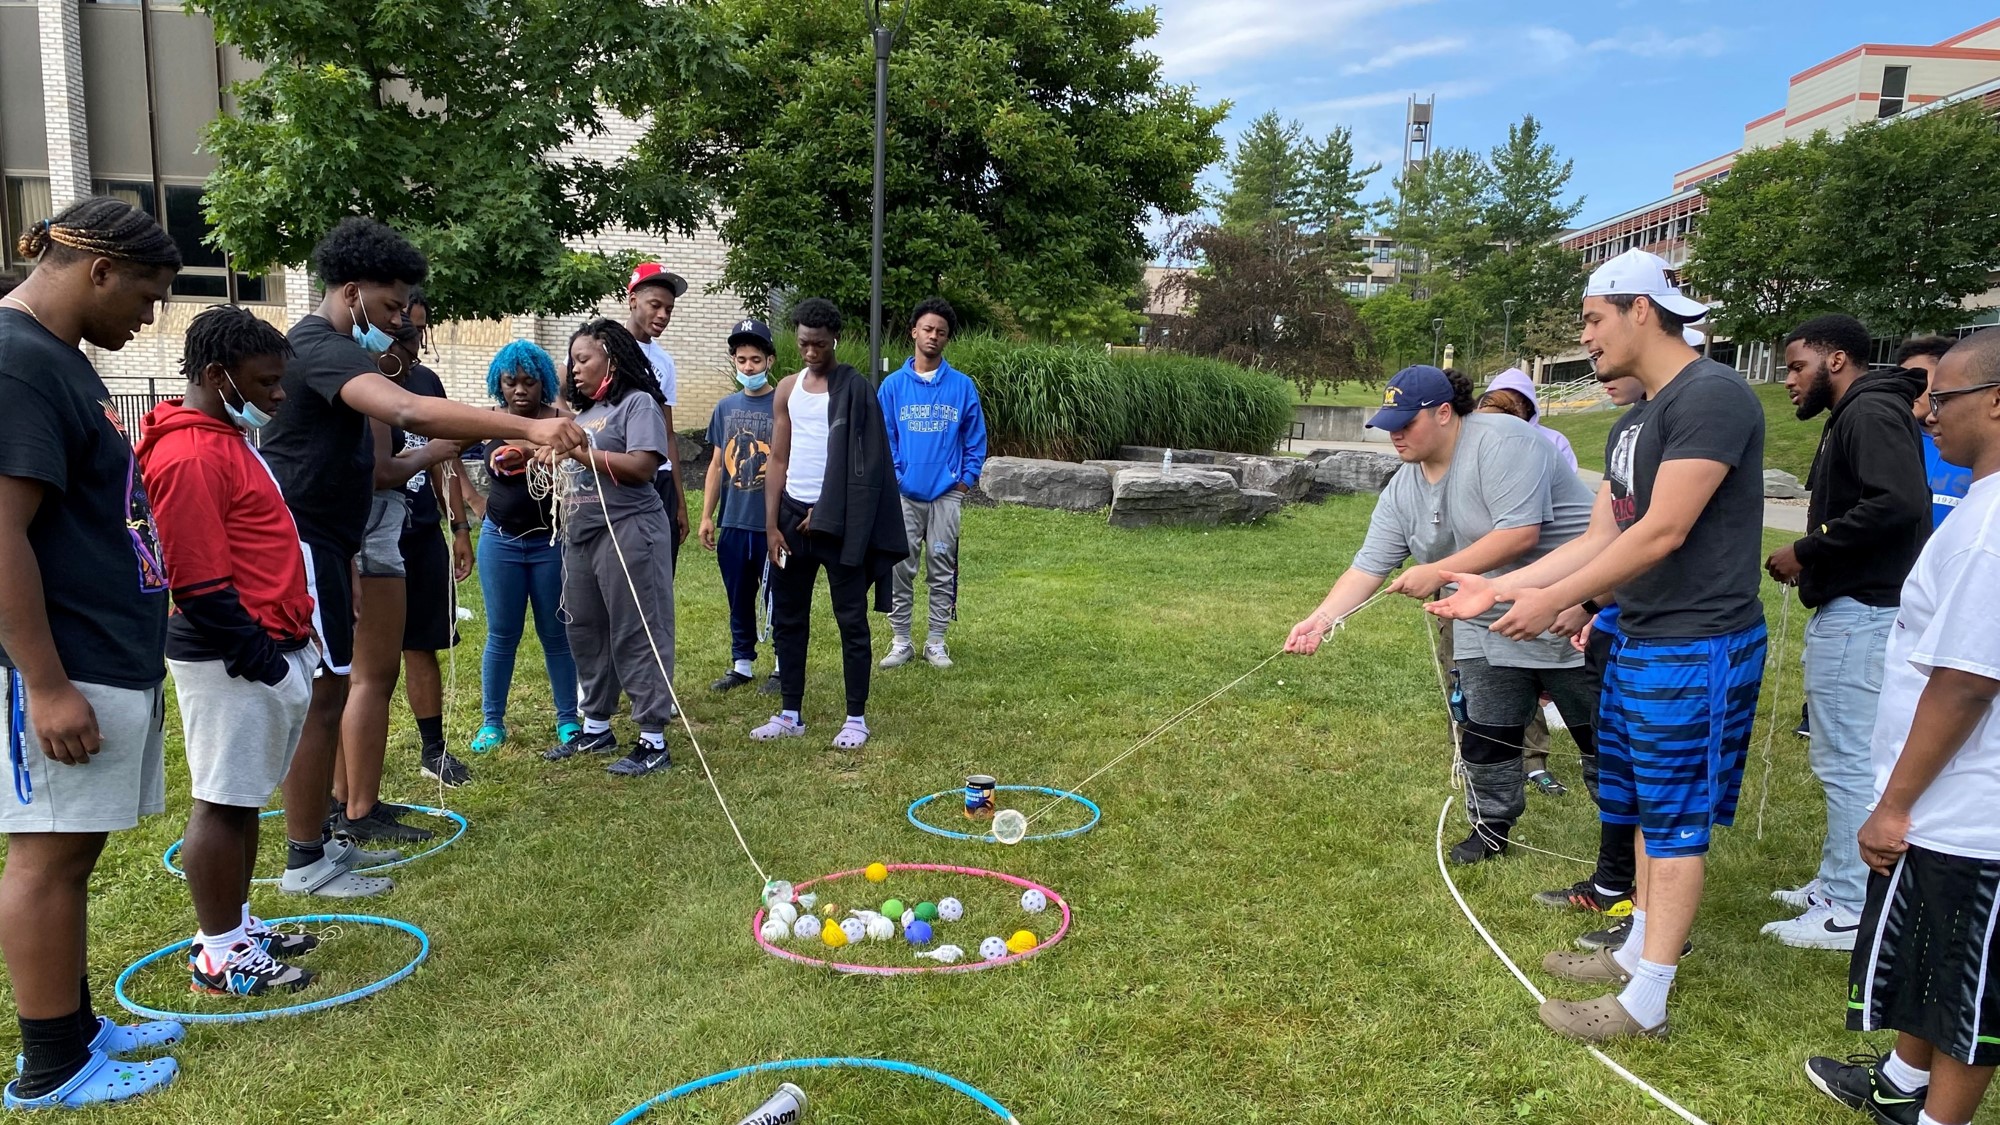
[
  {"x": 1429, "y": 48},
  {"x": 1557, "y": 46},
  {"x": 1202, "y": 37},
  {"x": 1460, "y": 88}
]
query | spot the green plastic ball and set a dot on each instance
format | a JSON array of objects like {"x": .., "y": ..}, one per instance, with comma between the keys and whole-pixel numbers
[
  {"x": 927, "y": 911},
  {"x": 893, "y": 910}
]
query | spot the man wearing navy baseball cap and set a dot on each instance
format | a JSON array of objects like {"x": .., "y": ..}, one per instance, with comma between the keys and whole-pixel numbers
[
  {"x": 1480, "y": 493},
  {"x": 733, "y": 495},
  {"x": 1676, "y": 536},
  {"x": 650, "y": 294}
]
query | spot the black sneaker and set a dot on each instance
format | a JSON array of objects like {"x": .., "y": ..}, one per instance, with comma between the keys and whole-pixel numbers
[
  {"x": 601, "y": 743},
  {"x": 1584, "y": 896},
  {"x": 730, "y": 681},
  {"x": 1614, "y": 937},
  {"x": 641, "y": 761},
  {"x": 440, "y": 766},
  {"x": 1858, "y": 1084},
  {"x": 381, "y": 825},
  {"x": 771, "y": 686},
  {"x": 1546, "y": 784},
  {"x": 1484, "y": 843},
  {"x": 246, "y": 971}
]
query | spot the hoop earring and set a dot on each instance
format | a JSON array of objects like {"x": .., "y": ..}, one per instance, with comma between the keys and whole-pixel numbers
[{"x": 399, "y": 364}]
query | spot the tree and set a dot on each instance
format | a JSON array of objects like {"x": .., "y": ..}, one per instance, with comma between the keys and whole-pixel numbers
[
  {"x": 1266, "y": 176},
  {"x": 1528, "y": 178},
  {"x": 1028, "y": 144},
  {"x": 1329, "y": 198},
  {"x": 1762, "y": 254},
  {"x": 1399, "y": 329},
  {"x": 1439, "y": 214},
  {"x": 1269, "y": 297},
  {"x": 451, "y": 120}
]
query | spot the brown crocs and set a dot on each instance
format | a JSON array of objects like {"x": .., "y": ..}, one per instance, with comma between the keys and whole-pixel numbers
[
  {"x": 1596, "y": 967},
  {"x": 1596, "y": 1021}
]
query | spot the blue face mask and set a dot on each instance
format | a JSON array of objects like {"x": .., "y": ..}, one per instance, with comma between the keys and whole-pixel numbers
[
  {"x": 374, "y": 341},
  {"x": 752, "y": 382},
  {"x": 247, "y": 416}
]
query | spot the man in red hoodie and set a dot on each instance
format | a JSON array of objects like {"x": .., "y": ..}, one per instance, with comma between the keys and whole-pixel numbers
[{"x": 240, "y": 642}]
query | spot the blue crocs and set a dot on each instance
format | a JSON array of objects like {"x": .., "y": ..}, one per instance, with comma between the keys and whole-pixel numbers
[
  {"x": 102, "y": 1080},
  {"x": 488, "y": 739},
  {"x": 118, "y": 1040}
]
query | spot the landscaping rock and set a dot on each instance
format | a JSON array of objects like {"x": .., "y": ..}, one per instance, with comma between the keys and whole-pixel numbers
[
  {"x": 1290, "y": 478},
  {"x": 1045, "y": 484},
  {"x": 1781, "y": 485},
  {"x": 1151, "y": 454},
  {"x": 1258, "y": 503},
  {"x": 1343, "y": 472},
  {"x": 1114, "y": 467},
  {"x": 1142, "y": 497}
]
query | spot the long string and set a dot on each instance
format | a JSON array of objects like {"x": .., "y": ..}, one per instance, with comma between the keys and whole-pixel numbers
[{"x": 1771, "y": 721}]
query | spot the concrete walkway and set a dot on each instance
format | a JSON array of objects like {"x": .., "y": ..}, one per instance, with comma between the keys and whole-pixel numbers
[{"x": 1778, "y": 516}]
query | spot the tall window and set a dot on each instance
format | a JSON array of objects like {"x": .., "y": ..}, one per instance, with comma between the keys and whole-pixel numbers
[
  {"x": 1895, "y": 83},
  {"x": 27, "y": 202},
  {"x": 204, "y": 269}
]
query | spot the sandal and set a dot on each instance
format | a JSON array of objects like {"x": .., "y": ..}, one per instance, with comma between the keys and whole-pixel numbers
[
  {"x": 778, "y": 727},
  {"x": 101, "y": 1081},
  {"x": 852, "y": 736},
  {"x": 118, "y": 1040},
  {"x": 488, "y": 739}
]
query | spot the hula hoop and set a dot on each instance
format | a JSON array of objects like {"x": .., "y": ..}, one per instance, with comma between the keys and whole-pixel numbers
[
  {"x": 971, "y": 966},
  {"x": 1096, "y": 814},
  {"x": 174, "y": 849},
  {"x": 893, "y": 1066},
  {"x": 423, "y": 951}
]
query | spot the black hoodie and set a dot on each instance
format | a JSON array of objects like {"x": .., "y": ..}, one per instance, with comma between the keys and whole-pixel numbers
[
  {"x": 859, "y": 503},
  {"x": 1870, "y": 509}
]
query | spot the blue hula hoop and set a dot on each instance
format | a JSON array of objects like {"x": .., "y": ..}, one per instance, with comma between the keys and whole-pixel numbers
[
  {"x": 891, "y": 1065},
  {"x": 174, "y": 849},
  {"x": 423, "y": 951},
  {"x": 1096, "y": 814}
]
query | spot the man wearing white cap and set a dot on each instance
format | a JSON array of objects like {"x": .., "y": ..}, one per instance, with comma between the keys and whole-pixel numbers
[{"x": 1676, "y": 536}]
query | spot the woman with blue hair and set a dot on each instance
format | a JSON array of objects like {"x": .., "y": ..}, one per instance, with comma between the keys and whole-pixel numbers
[{"x": 520, "y": 558}]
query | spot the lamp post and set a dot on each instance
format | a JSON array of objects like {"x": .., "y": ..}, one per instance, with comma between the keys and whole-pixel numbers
[
  {"x": 884, "y": 36},
  {"x": 1437, "y": 337},
  {"x": 1507, "y": 333}
]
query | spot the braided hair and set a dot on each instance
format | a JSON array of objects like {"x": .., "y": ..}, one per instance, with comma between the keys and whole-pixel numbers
[
  {"x": 100, "y": 227},
  {"x": 228, "y": 335},
  {"x": 630, "y": 369}
]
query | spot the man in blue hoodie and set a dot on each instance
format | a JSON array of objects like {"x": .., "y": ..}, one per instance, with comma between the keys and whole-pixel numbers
[
  {"x": 937, "y": 435},
  {"x": 1948, "y": 482}
]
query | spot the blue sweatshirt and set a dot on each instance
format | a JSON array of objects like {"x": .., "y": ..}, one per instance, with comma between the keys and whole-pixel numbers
[
  {"x": 937, "y": 433},
  {"x": 1948, "y": 481}
]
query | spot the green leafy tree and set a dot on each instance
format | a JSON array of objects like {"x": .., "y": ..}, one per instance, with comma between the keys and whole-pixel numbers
[
  {"x": 1028, "y": 144},
  {"x": 1267, "y": 175},
  {"x": 449, "y": 120},
  {"x": 1525, "y": 205},
  {"x": 1329, "y": 199},
  {"x": 1439, "y": 213},
  {"x": 1399, "y": 329},
  {"x": 1763, "y": 252}
]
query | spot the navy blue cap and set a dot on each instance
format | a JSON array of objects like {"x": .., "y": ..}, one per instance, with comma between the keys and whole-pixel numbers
[
  {"x": 752, "y": 330},
  {"x": 1413, "y": 391}
]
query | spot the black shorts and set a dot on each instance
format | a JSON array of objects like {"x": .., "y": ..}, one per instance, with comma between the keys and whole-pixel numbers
[
  {"x": 330, "y": 576},
  {"x": 1926, "y": 959},
  {"x": 430, "y": 621}
]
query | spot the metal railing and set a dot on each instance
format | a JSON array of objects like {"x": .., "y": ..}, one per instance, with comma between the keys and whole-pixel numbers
[{"x": 1572, "y": 397}]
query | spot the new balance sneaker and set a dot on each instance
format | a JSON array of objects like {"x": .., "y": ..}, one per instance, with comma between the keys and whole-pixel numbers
[
  {"x": 603, "y": 742},
  {"x": 900, "y": 653},
  {"x": 1485, "y": 842},
  {"x": 1584, "y": 896},
  {"x": 245, "y": 970},
  {"x": 641, "y": 761},
  {"x": 380, "y": 825},
  {"x": 1825, "y": 925},
  {"x": 437, "y": 764},
  {"x": 278, "y": 943},
  {"x": 1858, "y": 1084}
]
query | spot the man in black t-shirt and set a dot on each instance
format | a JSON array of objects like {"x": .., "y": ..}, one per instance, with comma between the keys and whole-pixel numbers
[
  {"x": 320, "y": 449},
  {"x": 83, "y": 617}
]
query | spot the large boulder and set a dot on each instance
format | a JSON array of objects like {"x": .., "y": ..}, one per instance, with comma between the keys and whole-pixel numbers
[
  {"x": 1343, "y": 472},
  {"x": 1045, "y": 484},
  {"x": 1781, "y": 485},
  {"x": 1115, "y": 467},
  {"x": 1258, "y": 503},
  {"x": 1151, "y": 455},
  {"x": 1290, "y": 478},
  {"x": 1143, "y": 497}
]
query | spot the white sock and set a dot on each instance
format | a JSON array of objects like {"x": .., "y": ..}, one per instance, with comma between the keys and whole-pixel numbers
[
  {"x": 595, "y": 726},
  {"x": 215, "y": 948},
  {"x": 744, "y": 668},
  {"x": 653, "y": 739},
  {"x": 1635, "y": 944},
  {"x": 1646, "y": 996},
  {"x": 858, "y": 721},
  {"x": 1904, "y": 1077},
  {"x": 1924, "y": 1118},
  {"x": 792, "y": 715},
  {"x": 249, "y": 920}
]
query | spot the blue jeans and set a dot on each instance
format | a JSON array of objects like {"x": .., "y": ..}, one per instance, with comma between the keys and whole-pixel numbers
[
  {"x": 1843, "y": 653},
  {"x": 512, "y": 574},
  {"x": 744, "y": 561}
]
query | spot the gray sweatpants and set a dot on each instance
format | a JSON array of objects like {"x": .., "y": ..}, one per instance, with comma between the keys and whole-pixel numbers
[
  {"x": 932, "y": 528},
  {"x": 607, "y": 634}
]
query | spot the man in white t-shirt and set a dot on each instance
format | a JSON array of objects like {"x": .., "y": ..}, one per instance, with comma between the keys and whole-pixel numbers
[
  {"x": 1927, "y": 963},
  {"x": 649, "y": 300}
]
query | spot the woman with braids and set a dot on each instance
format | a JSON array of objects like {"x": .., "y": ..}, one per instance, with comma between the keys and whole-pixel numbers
[
  {"x": 619, "y": 585},
  {"x": 83, "y": 618},
  {"x": 1485, "y": 493},
  {"x": 520, "y": 563}
]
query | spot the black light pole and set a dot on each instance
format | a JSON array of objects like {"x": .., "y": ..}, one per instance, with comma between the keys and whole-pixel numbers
[
  {"x": 884, "y": 36},
  {"x": 1437, "y": 335},
  {"x": 1507, "y": 333}
]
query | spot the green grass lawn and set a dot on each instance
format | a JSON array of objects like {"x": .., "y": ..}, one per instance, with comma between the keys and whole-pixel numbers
[
  {"x": 1261, "y": 933},
  {"x": 1789, "y": 444}
]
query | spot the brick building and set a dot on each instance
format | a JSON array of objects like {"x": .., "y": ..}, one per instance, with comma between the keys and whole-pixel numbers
[{"x": 74, "y": 76}]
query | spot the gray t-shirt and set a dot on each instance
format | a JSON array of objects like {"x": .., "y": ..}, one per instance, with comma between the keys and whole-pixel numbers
[
  {"x": 1708, "y": 586},
  {"x": 634, "y": 424},
  {"x": 1503, "y": 474},
  {"x": 740, "y": 431}
]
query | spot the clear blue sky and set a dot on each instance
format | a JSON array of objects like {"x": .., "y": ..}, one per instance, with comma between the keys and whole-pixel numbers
[{"x": 1633, "y": 92}]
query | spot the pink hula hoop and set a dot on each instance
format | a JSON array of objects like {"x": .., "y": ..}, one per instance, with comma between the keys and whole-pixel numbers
[{"x": 757, "y": 923}]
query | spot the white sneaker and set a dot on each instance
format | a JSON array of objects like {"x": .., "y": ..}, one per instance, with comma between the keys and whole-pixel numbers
[
  {"x": 1798, "y": 898},
  {"x": 899, "y": 653},
  {"x": 935, "y": 653},
  {"x": 1824, "y": 925}
]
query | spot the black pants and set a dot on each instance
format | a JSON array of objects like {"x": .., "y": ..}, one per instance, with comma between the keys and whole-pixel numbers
[
  {"x": 791, "y": 610},
  {"x": 1616, "y": 856}
]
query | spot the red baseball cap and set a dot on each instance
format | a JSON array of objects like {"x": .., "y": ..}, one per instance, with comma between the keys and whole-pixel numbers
[{"x": 653, "y": 273}]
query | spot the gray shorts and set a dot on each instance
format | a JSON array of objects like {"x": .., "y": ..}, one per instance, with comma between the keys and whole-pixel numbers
[
  {"x": 122, "y": 782},
  {"x": 1509, "y": 697},
  {"x": 241, "y": 734},
  {"x": 382, "y": 546}
]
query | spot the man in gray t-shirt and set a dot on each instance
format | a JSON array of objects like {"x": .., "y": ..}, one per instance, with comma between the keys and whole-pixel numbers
[{"x": 1484, "y": 493}]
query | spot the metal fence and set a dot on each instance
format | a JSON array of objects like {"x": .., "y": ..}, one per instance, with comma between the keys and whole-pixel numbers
[{"x": 132, "y": 405}]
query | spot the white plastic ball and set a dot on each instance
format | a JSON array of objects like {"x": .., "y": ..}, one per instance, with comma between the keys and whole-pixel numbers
[
  {"x": 806, "y": 928},
  {"x": 950, "y": 910},
  {"x": 880, "y": 928},
  {"x": 855, "y": 929},
  {"x": 774, "y": 930},
  {"x": 785, "y": 912},
  {"x": 1034, "y": 901},
  {"x": 993, "y": 949}
]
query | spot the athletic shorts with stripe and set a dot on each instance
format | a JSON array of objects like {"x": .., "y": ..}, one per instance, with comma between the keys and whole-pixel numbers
[
  {"x": 1927, "y": 958},
  {"x": 1673, "y": 733},
  {"x": 330, "y": 581}
]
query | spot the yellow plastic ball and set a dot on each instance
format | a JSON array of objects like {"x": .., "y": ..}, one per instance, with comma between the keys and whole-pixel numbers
[
  {"x": 876, "y": 873},
  {"x": 833, "y": 936},
  {"x": 829, "y": 910},
  {"x": 1021, "y": 942}
]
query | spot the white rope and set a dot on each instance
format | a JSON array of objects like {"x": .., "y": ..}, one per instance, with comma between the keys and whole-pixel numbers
[
  {"x": 1644, "y": 1087},
  {"x": 1771, "y": 722}
]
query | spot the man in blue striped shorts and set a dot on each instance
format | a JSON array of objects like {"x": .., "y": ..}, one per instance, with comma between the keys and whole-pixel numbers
[{"x": 1677, "y": 537}]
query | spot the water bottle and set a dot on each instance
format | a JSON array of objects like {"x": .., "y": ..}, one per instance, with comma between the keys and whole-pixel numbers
[{"x": 1167, "y": 463}]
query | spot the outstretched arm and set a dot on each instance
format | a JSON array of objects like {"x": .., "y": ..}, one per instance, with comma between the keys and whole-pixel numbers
[{"x": 381, "y": 399}]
